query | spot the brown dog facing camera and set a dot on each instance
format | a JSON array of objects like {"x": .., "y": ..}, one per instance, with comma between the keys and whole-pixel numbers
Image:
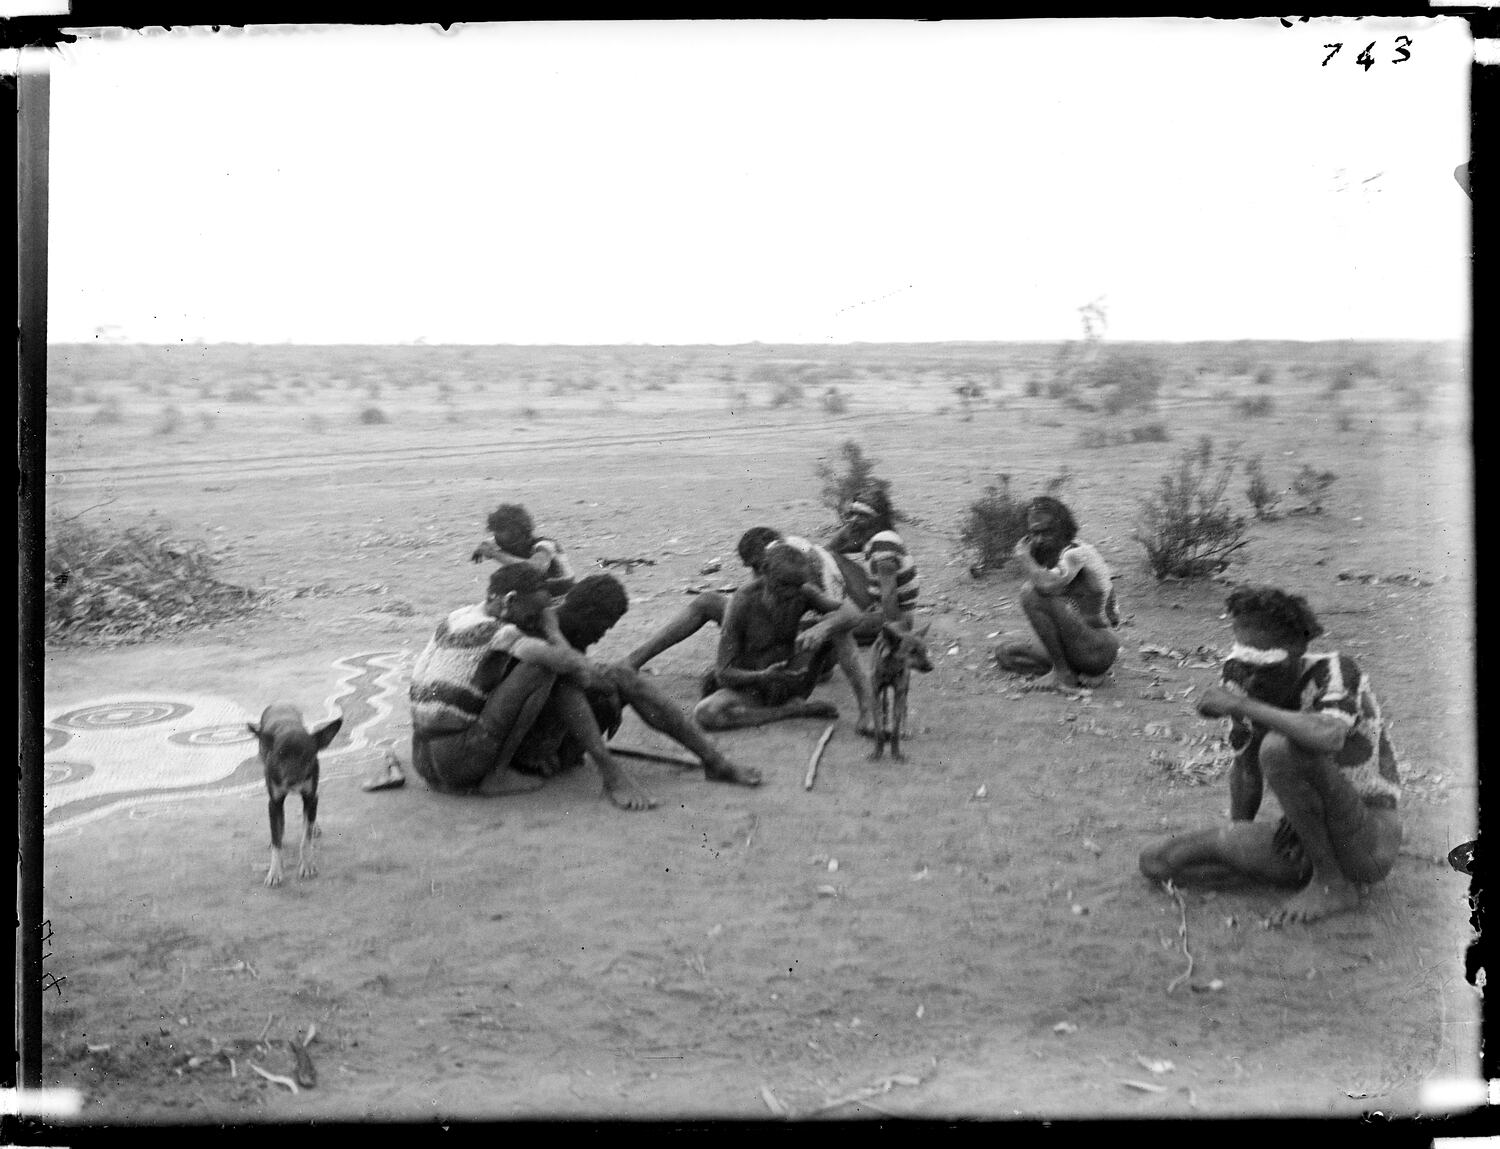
[{"x": 289, "y": 752}]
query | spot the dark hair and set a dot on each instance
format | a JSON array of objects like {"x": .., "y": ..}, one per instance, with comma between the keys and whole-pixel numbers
[
  {"x": 523, "y": 578},
  {"x": 753, "y": 544},
  {"x": 784, "y": 561},
  {"x": 510, "y": 518},
  {"x": 593, "y": 606},
  {"x": 879, "y": 501},
  {"x": 1058, "y": 509},
  {"x": 1280, "y": 612}
]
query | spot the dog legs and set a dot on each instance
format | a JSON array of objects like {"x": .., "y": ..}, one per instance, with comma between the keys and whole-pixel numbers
[
  {"x": 277, "y": 808},
  {"x": 307, "y": 862}
]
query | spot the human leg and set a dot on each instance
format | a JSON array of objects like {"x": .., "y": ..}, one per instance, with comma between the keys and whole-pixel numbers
[
  {"x": 621, "y": 789},
  {"x": 854, "y": 670},
  {"x": 1228, "y": 855},
  {"x": 1345, "y": 840},
  {"x": 660, "y": 713},
  {"x": 735, "y": 709},
  {"x": 698, "y": 613}
]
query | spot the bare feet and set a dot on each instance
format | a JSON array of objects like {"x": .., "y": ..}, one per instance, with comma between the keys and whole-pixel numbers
[
  {"x": 726, "y": 771},
  {"x": 865, "y": 725},
  {"x": 1316, "y": 900},
  {"x": 504, "y": 782},
  {"x": 627, "y": 795},
  {"x": 388, "y": 777}
]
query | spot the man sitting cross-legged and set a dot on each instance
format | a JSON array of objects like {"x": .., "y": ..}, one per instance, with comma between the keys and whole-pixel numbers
[
  {"x": 767, "y": 664},
  {"x": 492, "y": 670},
  {"x": 1068, "y": 598},
  {"x": 1307, "y": 726},
  {"x": 824, "y": 575}
]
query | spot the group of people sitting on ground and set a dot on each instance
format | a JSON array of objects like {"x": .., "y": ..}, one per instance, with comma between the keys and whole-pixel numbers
[{"x": 504, "y": 694}]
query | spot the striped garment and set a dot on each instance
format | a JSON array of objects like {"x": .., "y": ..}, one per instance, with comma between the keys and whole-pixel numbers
[
  {"x": 886, "y": 551},
  {"x": 1333, "y": 684},
  {"x": 468, "y": 655}
]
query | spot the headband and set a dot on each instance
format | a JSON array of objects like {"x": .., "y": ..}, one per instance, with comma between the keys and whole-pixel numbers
[
  {"x": 1255, "y": 655},
  {"x": 859, "y": 508}
]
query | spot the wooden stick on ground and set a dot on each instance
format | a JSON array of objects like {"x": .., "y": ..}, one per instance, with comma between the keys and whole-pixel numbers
[
  {"x": 812, "y": 765},
  {"x": 652, "y": 756}
]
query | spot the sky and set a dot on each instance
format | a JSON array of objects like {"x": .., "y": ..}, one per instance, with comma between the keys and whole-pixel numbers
[{"x": 770, "y": 181}]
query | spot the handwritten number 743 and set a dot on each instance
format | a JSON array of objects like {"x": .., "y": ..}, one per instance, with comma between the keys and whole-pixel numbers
[{"x": 1365, "y": 59}]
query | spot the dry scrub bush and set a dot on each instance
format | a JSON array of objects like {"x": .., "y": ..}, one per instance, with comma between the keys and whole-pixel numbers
[
  {"x": 1186, "y": 526},
  {"x": 169, "y": 421},
  {"x": 856, "y": 476},
  {"x": 373, "y": 415},
  {"x": 113, "y": 586},
  {"x": 109, "y": 413},
  {"x": 1122, "y": 380},
  {"x": 786, "y": 392},
  {"x": 1263, "y": 498},
  {"x": 1254, "y": 406},
  {"x": 1311, "y": 486},
  {"x": 834, "y": 401},
  {"x": 996, "y": 522}
]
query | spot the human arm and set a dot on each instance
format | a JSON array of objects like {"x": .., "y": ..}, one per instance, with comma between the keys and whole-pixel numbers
[
  {"x": 1046, "y": 580},
  {"x": 1245, "y": 785},
  {"x": 838, "y": 618},
  {"x": 1322, "y": 733},
  {"x": 550, "y": 650},
  {"x": 885, "y": 569}
]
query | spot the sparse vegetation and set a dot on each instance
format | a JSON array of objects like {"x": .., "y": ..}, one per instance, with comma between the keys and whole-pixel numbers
[
  {"x": 1186, "y": 526},
  {"x": 1265, "y": 377},
  {"x": 834, "y": 401},
  {"x": 1311, "y": 486},
  {"x": 109, "y": 413},
  {"x": 1263, "y": 498},
  {"x": 372, "y": 415},
  {"x": 109, "y": 585},
  {"x": 1254, "y": 406},
  {"x": 169, "y": 422},
  {"x": 786, "y": 393},
  {"x": 995, "y": 523},
  {"x": 1122, "y": 380},
  {"x": 243, "y": 393},
  {"x": 856, "y": 475},
  {"x": 1156, "y": 432}
]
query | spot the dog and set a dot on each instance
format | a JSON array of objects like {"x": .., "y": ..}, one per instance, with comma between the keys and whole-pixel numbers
[
  {"x": 895, "y": 654},
  {"x": 289, "y": 752}
]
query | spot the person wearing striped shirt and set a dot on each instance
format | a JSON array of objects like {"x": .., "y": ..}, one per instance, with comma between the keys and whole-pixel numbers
[
  {"x": 491, "y": 671},
  {"x": 878, "y": 568},
  {"x": 513, "y": 539},
  {"x": 1308, "y": 727},
  {"x": 1069, "y": 599}
]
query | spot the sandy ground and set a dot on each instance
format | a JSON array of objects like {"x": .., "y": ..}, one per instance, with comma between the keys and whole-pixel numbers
[{"x": 962, "y": 934}]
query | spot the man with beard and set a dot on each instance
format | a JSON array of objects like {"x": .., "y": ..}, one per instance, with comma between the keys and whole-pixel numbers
[
  {"x": 1068, "y": 598},
  {"x": 1307, "y": 726}
]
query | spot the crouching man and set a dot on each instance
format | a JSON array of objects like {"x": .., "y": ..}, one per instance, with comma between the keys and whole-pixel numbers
[
  {"x": 502, "y": 673},
  {"x": 1307, "y": 726}
]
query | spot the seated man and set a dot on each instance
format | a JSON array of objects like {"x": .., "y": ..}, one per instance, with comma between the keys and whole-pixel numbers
[
  {"x": 1309, "y": 727},
  {"x": 767, "y": 663},
  {"x": 491, "y": 670},
  {"x": 824, "y": 575},
  {"x": 1069, "y": 599},
  {"x": 513, "y": 540}
]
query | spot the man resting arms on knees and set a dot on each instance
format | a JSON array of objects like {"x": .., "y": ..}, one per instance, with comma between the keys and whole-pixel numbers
[
  {"x": 1309, "y": 727},
  {"x": 513, "y": 539},
  {"x": 767, "y": 666},
  {"x": 491, "y": 670},
  {"x": 1069, "y": 599}
]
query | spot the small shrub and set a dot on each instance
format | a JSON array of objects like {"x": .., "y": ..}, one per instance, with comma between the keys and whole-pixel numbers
[
  {"x": 169, "y": 421},
  {"x": 207, "y": 420},
  {"x": 786, "y": 392},
  {"x": 1344, "y": 420},
  {"x": 317, "y": 423},
  {"x": 654, "y": 385},
  {"x": 1255, "y": 406},
  {"x": 372, "y": 415},
  {"x": 1033, "y": 387},
  {"x": 1339, "y": 381},
  {"x": 834, "y": 401},
  {"x": 1093, "y": 438},
  {"x": 109, "y": 413},
  {"x": 1149, "y": 433},
  {"x": 857, "y": 475},
  {"x": 993, "y": 526},
  {"x": 1123, "y": 380},
  {"x": 1264, "y": 377},
  {"x": 528, "y": 413},
  {"x": 1186, "y": 527},
  {"x": 1311, "y": 486},
  {"x": 243, "y": 393},
  {"x": 1263, "y": 498}
]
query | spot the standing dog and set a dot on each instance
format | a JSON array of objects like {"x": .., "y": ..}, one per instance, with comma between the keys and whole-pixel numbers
[
  {"x": 289, "y": 752},
  {"x": 896, "y": 652}
]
